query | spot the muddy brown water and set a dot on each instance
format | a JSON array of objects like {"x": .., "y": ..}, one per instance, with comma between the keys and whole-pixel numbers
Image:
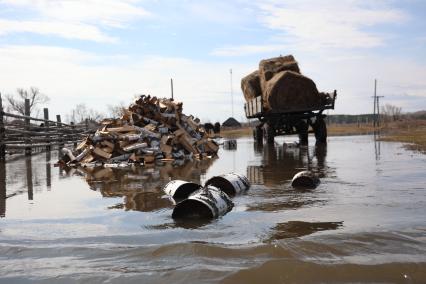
[{"x": 365, "y": 222}]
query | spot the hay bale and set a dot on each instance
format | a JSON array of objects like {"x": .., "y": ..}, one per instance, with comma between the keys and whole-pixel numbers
[
  {"x": 289, "y": 90},
  {"x": 250, "y": 85},
  {"x": 269, "y": 67}
]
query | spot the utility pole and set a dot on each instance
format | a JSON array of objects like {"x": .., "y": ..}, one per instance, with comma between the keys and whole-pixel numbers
[
  {"x": 375, "y": 99},
  {"x": 232, "y": 94},
  {"x": 171, "y": 85}
]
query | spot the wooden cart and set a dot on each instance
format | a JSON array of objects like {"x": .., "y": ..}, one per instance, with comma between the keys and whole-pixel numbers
[{"x": 294, "y": 121}]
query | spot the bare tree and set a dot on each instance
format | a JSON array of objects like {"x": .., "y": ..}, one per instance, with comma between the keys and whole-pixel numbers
[
  {"x": 115, "y": 111},
  {"x": 81, "y": 112},
  {"x": 17, "y": 102},
  {"x": 391, "y": 112}
]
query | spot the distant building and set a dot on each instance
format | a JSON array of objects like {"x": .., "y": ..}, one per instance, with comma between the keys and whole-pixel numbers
[{"x": 231, "y": 122}]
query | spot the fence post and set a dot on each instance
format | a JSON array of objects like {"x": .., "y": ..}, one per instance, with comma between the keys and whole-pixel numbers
[
  {"x": 2, "y": 189},
  {"x": 59, "y": 124},
  {"x": 27, "y": 128},
  {"x": 48, "y": 170},
  {"x": 46, "y": 125},
  {"x": 86, "y": 122},
  {"x": 29, "y": 171},
  {"x": 2, "y": 133},
  {"x": 74, "y": 136}
]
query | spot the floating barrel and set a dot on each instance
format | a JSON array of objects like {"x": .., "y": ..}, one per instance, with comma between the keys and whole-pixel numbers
[
  {"x": 206, "y": 203},
  {"x": 232, "y": 183},
  {"x": 230, "y": 144},
  {"x": 180, "y": 189},
  {"x": 305, "y": 179}
]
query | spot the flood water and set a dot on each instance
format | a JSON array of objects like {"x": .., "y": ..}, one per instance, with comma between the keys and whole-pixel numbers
[{"x": 365, "y": 222}]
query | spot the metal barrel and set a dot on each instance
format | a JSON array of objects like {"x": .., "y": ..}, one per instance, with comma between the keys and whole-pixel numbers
[
  {"x": 305, "y": 179},
  {"x": 230, "y": 144},
  {"x": 231, "y": 183},
  {"x": 206, "y": 203},
  {"x": 180, "y": 189}
]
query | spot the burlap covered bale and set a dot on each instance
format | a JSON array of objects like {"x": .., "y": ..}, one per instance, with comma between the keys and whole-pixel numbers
[
  {"x": 288, "y": 90},
  {"x": 250, "y": 85},
  {"x": 269, "y": 67}
]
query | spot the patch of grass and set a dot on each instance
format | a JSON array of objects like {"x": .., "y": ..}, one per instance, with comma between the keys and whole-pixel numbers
[
  {"x": 349, "y": 129},
  {"x": 236, "y": 132},
  {"x": 412, "y": 133}
]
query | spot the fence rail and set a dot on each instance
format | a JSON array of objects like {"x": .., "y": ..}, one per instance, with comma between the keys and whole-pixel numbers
[{"x": 20, "y": 134}]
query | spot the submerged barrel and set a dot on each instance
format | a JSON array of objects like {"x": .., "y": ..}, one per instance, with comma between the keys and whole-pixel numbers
[
  {"x": 206, "y": 203},
  {"x": 180, "y": 189},
  {"x": 231, "y": 183},
  {"x": 305, "y": 179},
  {"x": 230, "y": 144}
]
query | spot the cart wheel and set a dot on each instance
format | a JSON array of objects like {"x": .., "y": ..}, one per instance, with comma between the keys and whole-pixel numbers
[
  {"x": 268, "y": 133},
  {"x": 320, "y": 130},
  {"x": 302, "y": 129},
  {"x": 257, "y": 135}
]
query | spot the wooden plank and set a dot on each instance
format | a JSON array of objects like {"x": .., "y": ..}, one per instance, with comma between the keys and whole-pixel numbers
[
  {"x": 166, "y": 148},
  {"x": 82, "y": 144},
  {"x": 149, "y": 159},
  {"x": 125, "y": 128},
  {"x": 30, "y": 118},
  {"x": 135, "y": 146},
  {"x": 99, "y": 152},
  {"x": 187, "y": 145},
  {"x": 213, "y": 146},
  {"x": 107, "y": 144},
  {"x": 107, "y": 149},
  {"x": 89, "y": 158}
]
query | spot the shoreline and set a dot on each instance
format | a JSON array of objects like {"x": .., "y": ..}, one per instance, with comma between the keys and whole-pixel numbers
[{"x": 411, "y": 133}]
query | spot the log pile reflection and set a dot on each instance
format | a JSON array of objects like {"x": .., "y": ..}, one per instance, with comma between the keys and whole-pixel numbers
[{"x": 141, "y": 187}]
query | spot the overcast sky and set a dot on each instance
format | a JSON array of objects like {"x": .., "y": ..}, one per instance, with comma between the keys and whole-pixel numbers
[{"x": 101, "y": 52}]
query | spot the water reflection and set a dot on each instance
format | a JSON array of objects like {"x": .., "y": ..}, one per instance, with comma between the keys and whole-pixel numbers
[
  {"x": 48, "y": 170},
  {"x": 29, "y": 174},
  {"x": 186, "y": 224},
  {"x": 281, "y": 162},
  {"x": 140, "y": 187},
  {"x": 294, "y": 229},
  {"x": 377, "y": 144},
  {"x": 2, "y": 189}
]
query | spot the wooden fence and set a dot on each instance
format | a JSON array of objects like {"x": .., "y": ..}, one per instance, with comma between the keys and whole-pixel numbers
[{"x": 23, "y": 133}]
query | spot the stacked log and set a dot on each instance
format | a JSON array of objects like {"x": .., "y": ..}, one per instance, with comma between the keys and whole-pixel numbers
[
  {"x": 150, "y": 129},
  {"x": 282, "y": 86}
]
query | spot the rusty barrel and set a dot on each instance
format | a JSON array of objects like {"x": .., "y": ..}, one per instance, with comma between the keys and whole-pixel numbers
[
  {"x": 231, "y": 183},
  {"x": 180, "y": 189},
  {"x": 305, "y": 179},
  {"x": 206, "y": 203}
]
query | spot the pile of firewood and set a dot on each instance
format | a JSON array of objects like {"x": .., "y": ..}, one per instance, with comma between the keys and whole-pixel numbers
[
  {"x": 150, "y": 129},
  {"x": 282, "y": 86}
]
